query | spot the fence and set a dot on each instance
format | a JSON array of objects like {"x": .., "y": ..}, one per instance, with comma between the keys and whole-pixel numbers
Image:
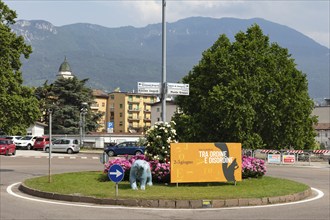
[{"x": 300, "y": 155}]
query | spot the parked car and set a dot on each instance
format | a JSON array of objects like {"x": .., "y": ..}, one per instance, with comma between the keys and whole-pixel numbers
[
  {"x": 41, "y": 142},
  {"x": 65, "y": 145},
  {"x": 127, "y": 147},
  {"x": 26, "y": 142},
  {"x": 14, "y": 138},
  {"x": 7, "y": 147}
]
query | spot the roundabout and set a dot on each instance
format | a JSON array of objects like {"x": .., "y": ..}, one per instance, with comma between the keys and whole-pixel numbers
[
  {"x": 17, "y": 205},
  {"x": 71, "y": 187},
  {"x": 314, "y": 194}
]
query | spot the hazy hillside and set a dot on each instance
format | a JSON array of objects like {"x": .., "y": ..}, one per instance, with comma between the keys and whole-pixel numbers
[{"x": 120, "y": 57}]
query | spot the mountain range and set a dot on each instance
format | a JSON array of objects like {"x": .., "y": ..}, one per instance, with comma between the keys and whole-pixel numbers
[{"x": 120, "y": 57}]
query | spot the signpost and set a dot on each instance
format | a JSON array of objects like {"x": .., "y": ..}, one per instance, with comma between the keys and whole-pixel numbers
[
  {"x": 116, "y": 174},
  {"x": 110, "y": 127},
  {"x": 157, "y": 89},
  {"x": 163, "y": 88},
  {"x": 177, "y": 89},
  {"x": 149, "y": 87}
]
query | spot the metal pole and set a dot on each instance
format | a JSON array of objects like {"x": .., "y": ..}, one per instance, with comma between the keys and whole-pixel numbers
[
  {"x": 80, "y": 128},
  {"x": 50, "y": 145},
  {"x": 84, "y": 126},
  {"x": 163, "y": 95}
]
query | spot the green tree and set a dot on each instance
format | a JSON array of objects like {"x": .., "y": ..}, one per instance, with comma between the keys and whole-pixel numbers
[
  {"x": 65, "y": 98},
  {"x": 18, "y": 106},
  {"x": 247, "y": 91}
]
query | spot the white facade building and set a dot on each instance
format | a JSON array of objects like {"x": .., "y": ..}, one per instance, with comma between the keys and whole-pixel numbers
[
  {"x": 156, "y": 111},
  {"x": 323, "y": 127},
  {"x": 37, "y": 129}
]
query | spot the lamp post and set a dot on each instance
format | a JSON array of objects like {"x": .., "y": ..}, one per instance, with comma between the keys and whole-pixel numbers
[
  {"x": 163, "y": 83},
  {"x": 82, "y": 119},
  {"x": 50, "y": 112}
]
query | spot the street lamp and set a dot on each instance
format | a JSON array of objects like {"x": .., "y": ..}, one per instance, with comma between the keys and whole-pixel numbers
[
  {"x": 83, "y": 112},
  {"x": 50, "y": 112}
]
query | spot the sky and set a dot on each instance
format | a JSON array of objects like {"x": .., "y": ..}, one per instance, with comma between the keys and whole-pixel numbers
[{"x": 310, "y": 17}]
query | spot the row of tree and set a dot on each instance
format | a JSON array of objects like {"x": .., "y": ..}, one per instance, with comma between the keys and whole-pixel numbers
[
  {"x": 22, "y": 106},
  {"x": 64, "y": 98},
  {"x": 247, "y": 91}
]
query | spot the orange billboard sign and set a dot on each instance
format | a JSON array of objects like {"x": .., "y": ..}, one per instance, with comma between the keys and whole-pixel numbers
[{"x": 206, "y": 162}]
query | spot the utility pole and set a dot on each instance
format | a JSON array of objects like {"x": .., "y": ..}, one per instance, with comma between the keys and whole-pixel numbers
[{"x": 163, "y": 83}]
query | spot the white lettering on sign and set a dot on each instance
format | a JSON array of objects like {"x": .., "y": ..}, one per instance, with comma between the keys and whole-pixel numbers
[{"x": 215, "y": 157}]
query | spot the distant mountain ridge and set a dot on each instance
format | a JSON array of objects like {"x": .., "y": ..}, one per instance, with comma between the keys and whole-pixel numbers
[{"x": 121, "y": 57}]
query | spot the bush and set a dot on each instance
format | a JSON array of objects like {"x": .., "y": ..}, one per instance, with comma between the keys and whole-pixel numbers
[
  {"x": 158, "y": 139},
  {"x": 252, "y": 167},
  {"x": 123, "y": 162},
  {"x": 160, "y": 171}
]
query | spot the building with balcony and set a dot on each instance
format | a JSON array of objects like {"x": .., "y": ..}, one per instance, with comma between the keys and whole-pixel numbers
[
  {"x": 130, "y": 112},
  {"x": 100, "y": 105}
]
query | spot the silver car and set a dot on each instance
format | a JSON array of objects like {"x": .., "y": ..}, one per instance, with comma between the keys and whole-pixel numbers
[{"x": 66, "y": 145}]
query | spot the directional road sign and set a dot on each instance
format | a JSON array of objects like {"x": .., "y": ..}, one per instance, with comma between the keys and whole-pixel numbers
[
  {"x": 149, "y": 87},
  {"x": 116, "y": 173},
  {"x": 177, "y": 89}
]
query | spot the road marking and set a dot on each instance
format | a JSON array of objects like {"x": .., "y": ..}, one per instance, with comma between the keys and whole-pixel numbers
[
  {"x": 57, "y": 157},
  {"x": 319, "y": 195}
]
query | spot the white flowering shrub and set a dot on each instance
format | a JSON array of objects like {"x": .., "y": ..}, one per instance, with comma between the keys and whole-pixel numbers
[{"x": 158, "y": 139}]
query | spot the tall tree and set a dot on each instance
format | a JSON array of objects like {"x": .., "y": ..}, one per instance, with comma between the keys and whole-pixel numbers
[
  {"x": 65, "y": 98},
  {"x": 248, "y": 91},
  {"x": 18, "y": 106}
]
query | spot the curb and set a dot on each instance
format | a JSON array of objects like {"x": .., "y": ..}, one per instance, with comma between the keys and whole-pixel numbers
[{"x": 178, "y": 204}]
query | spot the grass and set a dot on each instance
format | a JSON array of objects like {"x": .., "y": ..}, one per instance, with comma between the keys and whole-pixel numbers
[{"x": 94, "y": 184}]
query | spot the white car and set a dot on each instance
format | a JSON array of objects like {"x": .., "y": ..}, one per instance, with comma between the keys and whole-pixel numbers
[
  {"x": 66, "y": 145},
  {"x": 14, "y": 138},
  {"x": 26, "y": 142}
]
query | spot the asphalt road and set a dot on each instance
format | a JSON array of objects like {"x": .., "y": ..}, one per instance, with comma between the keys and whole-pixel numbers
[{"x": 27, "y": 164}]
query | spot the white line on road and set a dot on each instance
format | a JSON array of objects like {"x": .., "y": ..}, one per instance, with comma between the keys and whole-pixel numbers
[{"x": 319, "y": 195}]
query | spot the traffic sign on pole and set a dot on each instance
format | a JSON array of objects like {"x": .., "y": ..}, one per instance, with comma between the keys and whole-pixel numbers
[
  {"x": 110, "y": 127},
  {"x": 116, "y": 173},
  {"x": 149, "y": 87},
  {"x": 177, "y": 89}
]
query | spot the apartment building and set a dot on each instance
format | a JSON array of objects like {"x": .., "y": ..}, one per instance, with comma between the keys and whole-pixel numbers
[
  {"x": 130, "y": 112},
  {"x": 101, "y": 105}
]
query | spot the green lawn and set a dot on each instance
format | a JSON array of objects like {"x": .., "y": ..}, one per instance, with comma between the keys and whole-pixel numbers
[{"x": 94, "y": 184}]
